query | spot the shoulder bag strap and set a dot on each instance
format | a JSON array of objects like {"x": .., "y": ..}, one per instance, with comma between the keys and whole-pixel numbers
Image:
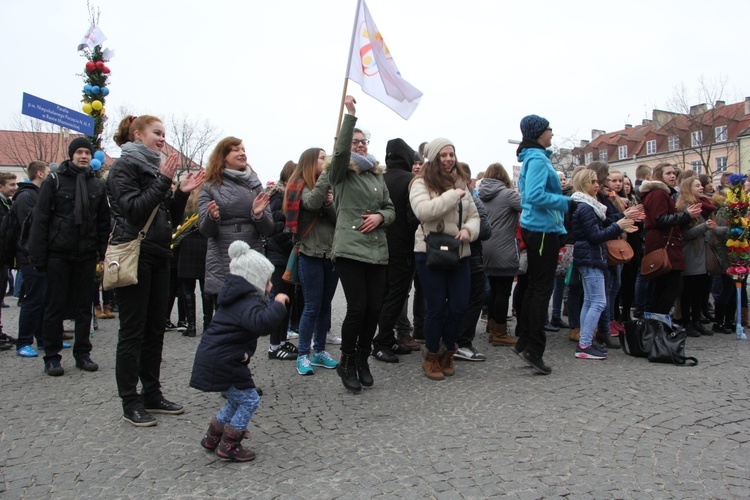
[
  {"x": 669, "y": 237},
  {"x": 145, "y": 229},
  {"x": 309, "y": 228}
]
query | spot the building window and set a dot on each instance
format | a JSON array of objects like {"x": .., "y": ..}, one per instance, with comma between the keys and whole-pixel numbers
[
  {"x": 697, "y": 166},
  {"x": 588, "y": 158},
  {"x": 721, "y": 164},
  {"x": 674, "y": 143},
  {"x": 721, "y": 133},
  {"x": 603, "y": 155},
  {"x": 622, "y": 152},
  {"x": 576, "y": 160},
  {"x": 696, "y": 138},
  {"x": 650, "y": 147}
]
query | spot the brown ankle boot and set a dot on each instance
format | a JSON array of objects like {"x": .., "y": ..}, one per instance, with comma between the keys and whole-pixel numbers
[
  {"x": 446, "y": 362},
  {"x": 213, "y": 435},
  {"x": 99, "y": 313},
  {"x": 431, "y": 366},
  {"x": 231, "y": 448},
  {"x": 574, "y": 335},
  {"x": 107, "y": 310},
  {"x": 501, "y": 337}
]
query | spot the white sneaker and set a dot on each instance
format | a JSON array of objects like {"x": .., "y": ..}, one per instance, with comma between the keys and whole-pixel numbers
[
  {"x": 469, "y": 354},
  {"x": 332, "y": 338},
  {"x": 291, "y": 334}
]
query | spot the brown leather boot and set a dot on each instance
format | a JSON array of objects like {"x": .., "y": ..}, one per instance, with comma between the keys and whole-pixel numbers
[
  {"x": 99, "y": 313},
  {"x": 107, "y": 310},
  {"x": 574, "y": 335},
  {"x": 501, "y": 336},
  {"x": 213, "y": 435},
  {"x": 231, "y": 448},
  {"x": 446, "y": 362},
  {"x": 431, "y": 366}
]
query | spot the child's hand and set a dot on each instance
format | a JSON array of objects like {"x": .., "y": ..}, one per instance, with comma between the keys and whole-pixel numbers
[{"x": 282, "y": 298}]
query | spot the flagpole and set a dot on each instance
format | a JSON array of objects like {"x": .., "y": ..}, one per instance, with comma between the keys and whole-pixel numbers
[{"x": 346, "y": 78}]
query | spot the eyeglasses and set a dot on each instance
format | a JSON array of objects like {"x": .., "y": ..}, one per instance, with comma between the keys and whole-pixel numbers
[{"x": 357, "y": 142}]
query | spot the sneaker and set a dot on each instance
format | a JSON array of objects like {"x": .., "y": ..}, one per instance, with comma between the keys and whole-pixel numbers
[
  {"x": 469, "y": 354},
  {"x": 84, "y": 363},
  {"x": 53, "y": 368},
  {"x": 718, "y": 328},
  {"x": 333, "y": 339},
  {"x": 323, "y": 359},
  {"x": 182, "y": 326},
  {"x": 385, "y": 355},
  {"x": 281, "y": 353},
  {"x": 171, "y": 326},
  {"x": 291, "y": 334},
  {"x": 139, "y": 417},
  {"x": 27, "y": 351},
  {"x": 5, "y": 346},
  {"x": 66, "y": 345},
  {"x": 161, "y": 405},
  {"x": 590, "y": 352},
  {"x": 304, "y": 367},
  {"x": 536, "y": 362}
]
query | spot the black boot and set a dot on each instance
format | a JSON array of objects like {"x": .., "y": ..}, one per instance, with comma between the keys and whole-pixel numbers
[
  {"x": 347, "y": 370},
  {"x": 190, "y": 313},
  {"x": 607, "y": 340},
  {"x": 208, "y": 310},
  {"x": 702, "y": 328},
  {"x": 363, "y": 369}
]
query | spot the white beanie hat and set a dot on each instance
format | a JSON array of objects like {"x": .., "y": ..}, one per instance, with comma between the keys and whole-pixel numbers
[
  {"x": 249, "y": 264},
  {"x": 433, "y": 148}
]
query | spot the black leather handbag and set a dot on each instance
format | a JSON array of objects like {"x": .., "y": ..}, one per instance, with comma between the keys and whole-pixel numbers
[
  {"x": 443, "y": 249},
  {"x": 657, "y": 341}
]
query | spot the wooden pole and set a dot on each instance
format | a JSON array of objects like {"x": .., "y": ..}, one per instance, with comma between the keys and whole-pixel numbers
[{"x": 346, "y": 78}]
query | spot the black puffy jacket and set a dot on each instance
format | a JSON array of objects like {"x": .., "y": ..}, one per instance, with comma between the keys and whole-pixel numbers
[
  {"x": 54, "y": 232},
  {"x": 134, "y": 190}
]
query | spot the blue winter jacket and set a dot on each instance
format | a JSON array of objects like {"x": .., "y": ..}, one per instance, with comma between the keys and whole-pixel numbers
[
  {"x": 542, "y": 202},
  {"x": 591, "y": 234},
  {"x": 224, "y": 353}
]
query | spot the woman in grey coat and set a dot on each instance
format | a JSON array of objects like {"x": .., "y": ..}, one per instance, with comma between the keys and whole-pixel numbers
[
  {"x": 500, "y": 253},
  {"x": 231, "y": 206}
]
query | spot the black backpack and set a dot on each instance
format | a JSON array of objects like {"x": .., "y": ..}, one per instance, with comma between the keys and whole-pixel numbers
[{"x": 14, "y": 235}]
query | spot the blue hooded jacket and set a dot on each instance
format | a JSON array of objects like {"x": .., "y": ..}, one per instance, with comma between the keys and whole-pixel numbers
[{"x": 543, "y": 205}]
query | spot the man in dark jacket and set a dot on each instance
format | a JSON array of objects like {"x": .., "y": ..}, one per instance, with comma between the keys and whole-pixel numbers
[
  {"x": 399, "y": 158},
  {"x": 8, "y": 188},
  {"x": 34, "y": 281},
  {"x": 68, "y": 238}
]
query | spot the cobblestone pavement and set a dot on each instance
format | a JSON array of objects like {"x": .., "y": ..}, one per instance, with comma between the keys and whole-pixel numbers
[{"x": 621, "y": 428}]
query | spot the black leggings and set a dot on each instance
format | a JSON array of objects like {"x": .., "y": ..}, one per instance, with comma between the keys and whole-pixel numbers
[
  {"x": 694, "y": 296},
  {"x": 500, "y": 287},
  {"x": 364, "y": 287}
]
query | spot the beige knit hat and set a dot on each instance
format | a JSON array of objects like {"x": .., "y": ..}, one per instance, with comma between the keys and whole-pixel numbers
[{"x": 433, "y": 148}]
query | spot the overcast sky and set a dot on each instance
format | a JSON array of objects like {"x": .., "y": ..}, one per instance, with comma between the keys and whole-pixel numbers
[{"x": 271, "y": 72}]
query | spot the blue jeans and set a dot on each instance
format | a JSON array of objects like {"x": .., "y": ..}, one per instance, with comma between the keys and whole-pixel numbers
[
  {"x": 641, "y": 292},
  {"x": 447, "y": 295},
  {"x": 32, "y": 307},
  {"x": 594, "y": 302},
  {"x": 318, "y": 279},
  {"x": 239, "y": 408}
]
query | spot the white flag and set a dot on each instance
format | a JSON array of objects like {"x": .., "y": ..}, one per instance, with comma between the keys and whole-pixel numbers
[
  {"x": 92, "y": 38},
  {"x": 372, "y": 67}
]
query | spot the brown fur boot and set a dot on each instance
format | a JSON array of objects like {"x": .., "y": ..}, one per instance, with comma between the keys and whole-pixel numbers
[
  {"x": 501, "y": 337},
  {"x": 446, "y": 362},
  {"x": 574, "y": 335},
  {"x": 213, "y": 435},
  {"x": 431, "y": 366}
]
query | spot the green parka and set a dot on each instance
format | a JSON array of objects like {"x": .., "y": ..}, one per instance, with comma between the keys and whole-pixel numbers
[
  {"x": 357, "y": 193},
  {"x": 318, "y": 242}
]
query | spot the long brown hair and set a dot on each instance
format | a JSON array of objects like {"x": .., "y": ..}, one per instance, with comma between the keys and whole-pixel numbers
[
  {"x": 127, "y": 127},
  {"x": 306, "y": 171},
  {"x": 216, "y": 162},
  {"x": 497, "y": 171},
  {"x": 437, "y": 180}
]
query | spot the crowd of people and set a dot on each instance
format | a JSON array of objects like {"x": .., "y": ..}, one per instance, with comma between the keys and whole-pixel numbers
[{"x": 376, "y": 229}]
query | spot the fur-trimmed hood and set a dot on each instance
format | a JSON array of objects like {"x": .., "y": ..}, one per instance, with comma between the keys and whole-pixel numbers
[
  {"x": 379, "y": 169},
  {"x": 648, "y": 186}
]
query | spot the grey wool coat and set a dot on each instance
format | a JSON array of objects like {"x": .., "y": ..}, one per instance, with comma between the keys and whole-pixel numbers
[{"x": 235, "y": 200}]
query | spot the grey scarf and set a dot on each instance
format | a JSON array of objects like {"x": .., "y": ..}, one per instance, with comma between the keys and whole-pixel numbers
[
  {"x": 240, "y": 175},
  {"x": 136, "y": 151}
]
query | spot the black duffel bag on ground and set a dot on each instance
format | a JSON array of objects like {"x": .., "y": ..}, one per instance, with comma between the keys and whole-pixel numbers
[{"x": 657, "y": 341}]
